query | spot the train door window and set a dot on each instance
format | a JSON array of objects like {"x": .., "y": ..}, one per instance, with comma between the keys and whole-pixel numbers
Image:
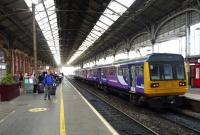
[
  {"x": 125, "y": 72},
  {"x": 120, "y": 71},
  {"x": 137, "y": 70},
  {"x": 155, "y": 72},
  {"x": 168, "y": 73},
  {"x": 180, "y": 71},
  {"x": 141, "y": 71},
  {"x": 133, "y": 75},
  {"x": 197, "y": 72}
]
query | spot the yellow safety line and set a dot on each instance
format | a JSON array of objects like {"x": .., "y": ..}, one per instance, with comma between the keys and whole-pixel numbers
[{"x": 62, "y": 115}]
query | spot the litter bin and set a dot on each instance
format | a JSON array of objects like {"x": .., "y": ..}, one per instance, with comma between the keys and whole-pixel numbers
[{"x": 28, "y": 84}]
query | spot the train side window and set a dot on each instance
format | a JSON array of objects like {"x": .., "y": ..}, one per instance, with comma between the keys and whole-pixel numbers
[
  {"x": 141, "y": 71},
  {"x": 112, "y": 70},
  {"x": 120, "y": 71},
  {"x": 155, "y": 72},
  {"x": 137, "y": 71}
]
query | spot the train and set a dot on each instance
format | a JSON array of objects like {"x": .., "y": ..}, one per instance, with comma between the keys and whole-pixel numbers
[{"x": 158, "y": 78}]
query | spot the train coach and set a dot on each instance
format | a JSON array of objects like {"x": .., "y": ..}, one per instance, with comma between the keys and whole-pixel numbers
[{"x": 159, "y": 77}]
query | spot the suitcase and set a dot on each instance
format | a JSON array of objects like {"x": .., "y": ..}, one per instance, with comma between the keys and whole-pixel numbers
[
  {"x": 41, "y": 88},
  {"x": 53, "y": 90}
]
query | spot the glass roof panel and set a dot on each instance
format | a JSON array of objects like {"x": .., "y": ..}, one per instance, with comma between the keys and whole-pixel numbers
[
  {"x": 99, "y": 29},
  {"x": 117, "y": 7},
  {"x": 102, "y": 25},
  {"x": 52, "y": 16},
  {"x": 127, "y": 3},
  {"x": 40, "y": 16},
  {"x": 114, "y": 16},
  {"x": 106, "y": 20},
  {"x": 96, "y": 32},
  {"x": 50, "y": 12},
  {"x": 48, "y": 3},
  {"x": 44, "y": 21},
  {"x": 87, "y": 42},
  {"x": 52, "y": 8},
  {"x": 37, "y": 17},
  {"x": 93, "y": 35},
  {"x": 53, "y": 21},
  {"x": 39, "y": 7}
]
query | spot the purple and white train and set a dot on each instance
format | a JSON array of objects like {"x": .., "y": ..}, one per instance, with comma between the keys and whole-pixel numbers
[{"x": 159, "y": 77}]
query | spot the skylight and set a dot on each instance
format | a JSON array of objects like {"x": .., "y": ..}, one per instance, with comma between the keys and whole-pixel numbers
[
  {"x": 114, "y": 10},
  {"x": 47, "y": 20}
]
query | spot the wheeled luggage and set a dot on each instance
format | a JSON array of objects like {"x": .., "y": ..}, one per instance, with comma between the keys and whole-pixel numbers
[
  {"x": 53, "y": 90},
  {"x": 41, "y": 88}
]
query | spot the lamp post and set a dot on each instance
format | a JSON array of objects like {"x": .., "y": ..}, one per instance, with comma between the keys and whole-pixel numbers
[{"x": 34, "y": 39}]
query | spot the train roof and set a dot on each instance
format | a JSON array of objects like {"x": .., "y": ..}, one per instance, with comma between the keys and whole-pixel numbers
[{"x": 154, "y": 57}]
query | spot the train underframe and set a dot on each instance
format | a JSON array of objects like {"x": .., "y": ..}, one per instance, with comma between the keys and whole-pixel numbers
[{"x": 142, "y": 100}]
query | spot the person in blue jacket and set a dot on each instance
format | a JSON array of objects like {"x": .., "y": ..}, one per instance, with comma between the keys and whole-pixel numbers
[{"x": 48, "y": 84}]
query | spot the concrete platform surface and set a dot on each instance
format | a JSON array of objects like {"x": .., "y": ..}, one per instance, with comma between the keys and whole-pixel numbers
[
  {"x": 32, "y": 115},
  {"x": 193, "y": 93}
]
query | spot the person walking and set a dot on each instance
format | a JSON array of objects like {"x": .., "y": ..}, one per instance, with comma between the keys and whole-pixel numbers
[{"x": 48, "y": 83}]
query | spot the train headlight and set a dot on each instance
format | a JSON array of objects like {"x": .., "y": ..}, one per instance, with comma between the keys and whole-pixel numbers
[
  {"x": 182, "y": 83},
  {"x": 154, "y": 85}
]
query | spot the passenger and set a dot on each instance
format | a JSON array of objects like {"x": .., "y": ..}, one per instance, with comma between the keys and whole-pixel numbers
[
  {"x": 21, "y": 78},
  {"x": 40, "y": 78},
  {"x": 48, "y": 83},
  {"x": 35, "y": 83}
]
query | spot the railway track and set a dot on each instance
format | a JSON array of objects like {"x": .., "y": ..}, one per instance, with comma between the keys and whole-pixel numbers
[
  {"x": 183, "y": 120},
  {"x": 124, "y": 124}
]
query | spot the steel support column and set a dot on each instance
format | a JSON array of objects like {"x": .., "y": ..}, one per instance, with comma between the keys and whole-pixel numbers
[
  {"x": 153, "y": 38},
  {"x": 34, "y": 39}
]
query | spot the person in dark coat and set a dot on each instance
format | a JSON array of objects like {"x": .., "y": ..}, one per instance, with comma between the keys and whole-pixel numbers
[
  {"x": 48, "y": 83},
  {"x": 21, "y": 78}
]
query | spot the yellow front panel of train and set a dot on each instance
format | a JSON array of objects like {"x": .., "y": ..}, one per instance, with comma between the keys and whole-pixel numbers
[{"x": 163, "y": 88}]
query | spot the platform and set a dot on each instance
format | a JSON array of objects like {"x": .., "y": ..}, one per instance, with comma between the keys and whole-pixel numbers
[
  {"x": 32, "y": 115},
  {"x": 193, "y": 93},
  {"x": 193, "y": 99}
]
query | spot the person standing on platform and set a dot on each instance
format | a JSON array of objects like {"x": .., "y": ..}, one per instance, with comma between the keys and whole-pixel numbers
[
  {"x": 48, "y": 83},
  {"x": 21, "y": 78},
  {"x": 35, "y": 83}
]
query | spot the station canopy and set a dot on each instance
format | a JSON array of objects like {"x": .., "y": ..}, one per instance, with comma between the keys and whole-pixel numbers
[{"x": 114, "y": 10}]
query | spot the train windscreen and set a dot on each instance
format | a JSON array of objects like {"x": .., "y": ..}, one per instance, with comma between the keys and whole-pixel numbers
[{"x": 167, "y": 71}]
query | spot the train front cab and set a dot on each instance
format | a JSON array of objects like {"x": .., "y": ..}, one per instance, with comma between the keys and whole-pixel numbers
[
  {"x": 157, "y": 83},
  {"x": 165, "y": 80}
]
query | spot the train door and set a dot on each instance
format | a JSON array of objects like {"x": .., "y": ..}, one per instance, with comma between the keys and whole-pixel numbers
[
  {"x": 134, "y": 70},
  {"x": 137, "y": 74},
  {"x": 197, "y": 76},
  {"x": 194, "y": 75},
  {"x": 191, "y": 75}
]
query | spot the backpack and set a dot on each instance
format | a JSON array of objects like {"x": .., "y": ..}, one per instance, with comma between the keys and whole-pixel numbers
[{"x": 49, "y": 80}]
